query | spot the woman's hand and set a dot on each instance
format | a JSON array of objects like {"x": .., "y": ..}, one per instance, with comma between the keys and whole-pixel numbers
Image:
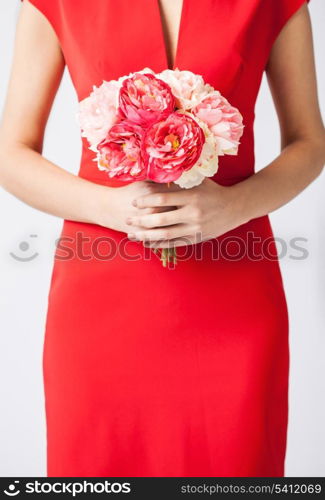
[
  {"x": 116, "y": 204},
  {"x": 199, "y": 214}
]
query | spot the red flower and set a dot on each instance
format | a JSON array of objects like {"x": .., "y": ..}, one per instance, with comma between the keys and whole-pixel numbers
[
  {"x": 172, "y": 146},
  {"x": 145, "y": 99},
  {"x": 120, "y": 153}
]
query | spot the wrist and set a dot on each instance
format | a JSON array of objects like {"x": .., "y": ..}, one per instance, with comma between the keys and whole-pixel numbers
[
  {"x": 102, "y": 205},
  {"x": 242, "y": 202}
]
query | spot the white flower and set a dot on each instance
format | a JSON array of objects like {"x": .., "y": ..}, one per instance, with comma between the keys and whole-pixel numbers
[{"x": 188, "y": 88}]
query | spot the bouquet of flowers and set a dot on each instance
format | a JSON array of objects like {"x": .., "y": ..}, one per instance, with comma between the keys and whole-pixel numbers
[{"x": 165, "y": 127}]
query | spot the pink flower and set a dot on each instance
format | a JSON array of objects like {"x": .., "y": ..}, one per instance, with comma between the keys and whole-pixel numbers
[
  {"x": 224, "y": 121},
  {"x": 145, "y": 99},
  {"x": 98, "y": 112},
  {"x": 120, "y": 153},
  {"x": 172, "y": 146}
]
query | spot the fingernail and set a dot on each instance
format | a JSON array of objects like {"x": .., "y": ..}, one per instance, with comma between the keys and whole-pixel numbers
[{"x": 131, "y": 236}]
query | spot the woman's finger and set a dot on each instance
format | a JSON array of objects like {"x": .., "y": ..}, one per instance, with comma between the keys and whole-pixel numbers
[
  {"x": 176, "y": 198},
  {"x": 173, "y": 243},
  {"x": 160, "y": 234},
  {"x": 166, "y": 218},
  {"x": 152, "y": 210}
]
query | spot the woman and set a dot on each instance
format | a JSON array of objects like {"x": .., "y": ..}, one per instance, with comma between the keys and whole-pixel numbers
[{"x": 150, "y": 371}]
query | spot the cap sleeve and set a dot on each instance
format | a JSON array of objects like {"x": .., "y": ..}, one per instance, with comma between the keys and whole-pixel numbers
[
  {"x": 49, "y": 10},
  {"x": 282, "y": 11},
  {"x": 41, "y": 5}
]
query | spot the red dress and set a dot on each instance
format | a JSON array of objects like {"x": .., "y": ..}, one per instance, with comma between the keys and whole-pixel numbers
[{"x": 157, "y": 372}]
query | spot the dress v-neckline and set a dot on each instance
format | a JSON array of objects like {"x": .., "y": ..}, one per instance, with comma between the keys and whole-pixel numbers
[{"x": 172, "y": 65}]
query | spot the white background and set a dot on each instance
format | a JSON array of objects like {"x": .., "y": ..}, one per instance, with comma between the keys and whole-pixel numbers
[{"x": 24, "y": 285}]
